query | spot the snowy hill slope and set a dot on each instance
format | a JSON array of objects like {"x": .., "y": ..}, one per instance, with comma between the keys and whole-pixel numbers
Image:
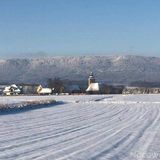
[{"x": 116, "y": 69}]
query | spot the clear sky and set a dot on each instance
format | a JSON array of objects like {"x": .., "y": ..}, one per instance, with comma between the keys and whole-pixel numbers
[{"x": 79, "y": 27}]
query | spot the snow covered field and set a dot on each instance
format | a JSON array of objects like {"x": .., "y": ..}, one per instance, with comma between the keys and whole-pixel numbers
[{"x": 84, "y": 127}]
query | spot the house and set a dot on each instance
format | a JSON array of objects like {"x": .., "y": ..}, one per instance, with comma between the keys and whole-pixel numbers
[
  {"x": 12, "y": 90},
  {"x": 44, "y": 91},
  {"x": 2, "y": 87}
]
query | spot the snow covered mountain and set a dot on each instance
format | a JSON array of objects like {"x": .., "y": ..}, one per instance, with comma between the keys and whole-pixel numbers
[{"x": 115, "y": 69}]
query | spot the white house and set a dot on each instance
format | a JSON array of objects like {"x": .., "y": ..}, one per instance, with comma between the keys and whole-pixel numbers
[
  {"x": 41, "y": 90},
  {"x": 11, "y": 90}
]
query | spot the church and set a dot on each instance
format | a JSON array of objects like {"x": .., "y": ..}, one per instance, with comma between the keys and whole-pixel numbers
[{"x": 96, "y": 88}]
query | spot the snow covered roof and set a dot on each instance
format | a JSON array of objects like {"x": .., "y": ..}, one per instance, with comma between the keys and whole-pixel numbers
[
  {"x": 93, "y": 87},
  {"x": 11, "y": 89},
  {"x": 45, "y": 91},
  {"x": 14, "y": 86}
]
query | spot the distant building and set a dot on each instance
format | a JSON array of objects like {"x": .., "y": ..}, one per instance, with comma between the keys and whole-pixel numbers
[
  {"x": 96, "y": 88},
  {"x": 11, "y": 90},
  {"x": 44, "y": 91},
  {"x": 91, "y": 79},
  {"x": 29, "y": 88},
  {"x": 2, "y": 87}
]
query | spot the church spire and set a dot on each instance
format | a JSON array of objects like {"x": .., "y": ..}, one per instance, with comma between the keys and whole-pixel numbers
[{"x": 91, "y": 79}]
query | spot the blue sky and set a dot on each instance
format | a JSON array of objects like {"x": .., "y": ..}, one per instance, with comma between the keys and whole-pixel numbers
[{"x": 79, "y": 27}]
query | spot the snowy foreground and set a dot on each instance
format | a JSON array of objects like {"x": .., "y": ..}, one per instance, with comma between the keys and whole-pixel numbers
[{"x": 108, "y": 127}]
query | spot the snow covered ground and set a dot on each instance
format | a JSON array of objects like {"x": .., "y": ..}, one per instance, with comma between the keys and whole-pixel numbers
[
  {"x": 21, "y": 99},
  {"x": 116, "y": 127}
]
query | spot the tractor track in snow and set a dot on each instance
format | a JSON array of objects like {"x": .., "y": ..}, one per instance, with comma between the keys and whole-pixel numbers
[{"x": 83, "y": 127}]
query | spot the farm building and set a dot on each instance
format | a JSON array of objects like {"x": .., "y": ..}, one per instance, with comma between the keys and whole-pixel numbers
[{"x": 44, "y": 91}]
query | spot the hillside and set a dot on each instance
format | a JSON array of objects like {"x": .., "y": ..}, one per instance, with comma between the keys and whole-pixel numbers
[{"x": 114, "y": 69}]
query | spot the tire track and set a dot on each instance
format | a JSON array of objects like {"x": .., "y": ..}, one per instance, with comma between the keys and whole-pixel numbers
[{"x": 89, "y": 129}]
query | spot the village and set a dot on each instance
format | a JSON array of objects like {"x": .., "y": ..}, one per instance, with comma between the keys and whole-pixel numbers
[{"x": 57, "y": 86}]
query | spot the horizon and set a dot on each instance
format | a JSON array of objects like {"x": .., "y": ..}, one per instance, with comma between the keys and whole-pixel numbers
[
  {"x": 77, "y": 28},
  {"x": 70, "y": 56}
]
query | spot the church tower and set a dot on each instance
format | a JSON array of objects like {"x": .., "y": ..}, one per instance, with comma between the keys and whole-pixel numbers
[{"x": 91, "y": 79}]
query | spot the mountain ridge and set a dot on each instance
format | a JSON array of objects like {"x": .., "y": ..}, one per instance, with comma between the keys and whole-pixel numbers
[{"x": 111, "y": 69}]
